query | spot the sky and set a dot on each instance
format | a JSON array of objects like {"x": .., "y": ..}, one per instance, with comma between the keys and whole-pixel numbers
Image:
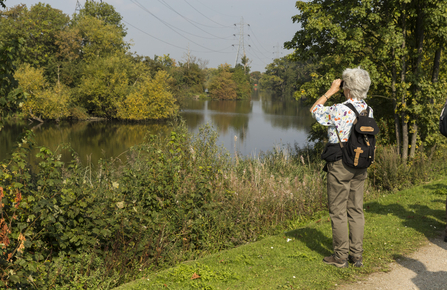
[{"x": 214, "y": 31}]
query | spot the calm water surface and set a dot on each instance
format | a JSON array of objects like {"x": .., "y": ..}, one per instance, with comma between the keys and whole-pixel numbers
[{"x": 258, "y": 124}]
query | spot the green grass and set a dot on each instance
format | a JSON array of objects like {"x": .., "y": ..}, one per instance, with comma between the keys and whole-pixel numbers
[{"x": 396, "y": 224}]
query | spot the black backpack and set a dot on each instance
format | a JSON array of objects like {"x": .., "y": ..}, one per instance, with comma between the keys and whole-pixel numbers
[
  {"x": 443, "y": 121},
  {"x": 359, "y": 151}
]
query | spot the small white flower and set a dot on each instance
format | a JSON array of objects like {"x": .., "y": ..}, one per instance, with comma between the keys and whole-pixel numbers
[
  {"x": 288, "y": 240},
  {"x": 272, "y": 247},
  {"x": 115, "y": 184},
  {"x": 293, "y": 277}
]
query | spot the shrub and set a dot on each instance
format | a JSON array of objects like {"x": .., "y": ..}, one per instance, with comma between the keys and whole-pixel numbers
[{"x": 178, "y": 197}]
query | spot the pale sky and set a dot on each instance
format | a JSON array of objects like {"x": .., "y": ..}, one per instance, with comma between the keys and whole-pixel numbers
[{"x": 207, "y": 27}]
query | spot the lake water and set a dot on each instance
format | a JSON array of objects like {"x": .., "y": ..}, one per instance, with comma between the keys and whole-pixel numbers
[{"x": 259, "y": 125}]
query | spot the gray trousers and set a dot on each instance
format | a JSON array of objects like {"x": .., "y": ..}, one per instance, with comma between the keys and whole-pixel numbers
[{"x": 345, "y": 198}]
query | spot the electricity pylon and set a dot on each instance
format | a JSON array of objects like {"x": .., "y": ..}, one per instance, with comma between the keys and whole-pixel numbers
[{"x": 241, "y": 47}]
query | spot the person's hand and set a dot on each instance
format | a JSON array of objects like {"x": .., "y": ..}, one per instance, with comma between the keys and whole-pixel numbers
[{"x": 335, "y": 87}]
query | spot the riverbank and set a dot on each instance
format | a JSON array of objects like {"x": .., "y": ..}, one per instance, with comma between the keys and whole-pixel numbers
[
  {"x": 396, "y": 225},
  {"x": 175, "y": 198}
]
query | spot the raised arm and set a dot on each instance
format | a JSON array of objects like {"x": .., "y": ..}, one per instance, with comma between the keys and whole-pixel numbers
[{"x": 335, "y": 87}]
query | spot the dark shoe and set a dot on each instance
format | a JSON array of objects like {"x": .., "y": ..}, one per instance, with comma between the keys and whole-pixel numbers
[
  {"x": 357, "y": 261},
  {"x": 336, "y": 261},
  {"x": 445, "y": 238}
]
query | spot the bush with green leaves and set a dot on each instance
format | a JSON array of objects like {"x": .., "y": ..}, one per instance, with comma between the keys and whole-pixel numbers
[{"x": 177, "y": 197}]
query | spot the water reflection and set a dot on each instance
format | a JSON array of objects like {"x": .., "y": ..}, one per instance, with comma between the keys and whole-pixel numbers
[
  {"x": 259, "y": 124},
  {"x": 91, "y": 140}
]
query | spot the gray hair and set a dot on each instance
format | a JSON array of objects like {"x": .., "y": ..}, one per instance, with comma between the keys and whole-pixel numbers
[{"x": 357, "y": 81}]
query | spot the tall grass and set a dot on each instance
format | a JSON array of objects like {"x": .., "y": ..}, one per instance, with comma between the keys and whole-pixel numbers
[{"x": 178, "y": 197}]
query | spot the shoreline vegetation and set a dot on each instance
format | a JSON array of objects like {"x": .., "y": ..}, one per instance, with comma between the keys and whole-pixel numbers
[
  {"x": 177, "y": 198},
  {"x": 180, "y": 197}
]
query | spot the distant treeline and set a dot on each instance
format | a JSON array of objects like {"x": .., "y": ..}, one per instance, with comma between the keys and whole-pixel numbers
[{"x": 56, "y": 67}]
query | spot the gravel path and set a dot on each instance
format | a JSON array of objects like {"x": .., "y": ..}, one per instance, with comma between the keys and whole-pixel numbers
[{"x": 425, "y": 269}]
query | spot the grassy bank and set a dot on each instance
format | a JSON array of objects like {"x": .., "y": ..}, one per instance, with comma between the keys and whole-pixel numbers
[
  {"x": 396, "y": 224},
  {"x": 176, "y": 198}
]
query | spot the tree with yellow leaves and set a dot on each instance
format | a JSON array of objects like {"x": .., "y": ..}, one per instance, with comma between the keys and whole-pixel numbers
[
  {"x": 43, "y": 101},
  {"x": 150, "y": 99}
]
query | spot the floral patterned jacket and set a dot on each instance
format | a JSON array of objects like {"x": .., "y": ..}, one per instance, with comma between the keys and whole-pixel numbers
[{"x": 340, "y": 117}]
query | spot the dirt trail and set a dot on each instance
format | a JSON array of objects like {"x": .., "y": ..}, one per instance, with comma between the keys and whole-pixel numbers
[{"x": 425, "y": 269}]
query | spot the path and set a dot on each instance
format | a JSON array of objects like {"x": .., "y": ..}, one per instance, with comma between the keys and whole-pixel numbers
[{"x": 425, "y": 269}]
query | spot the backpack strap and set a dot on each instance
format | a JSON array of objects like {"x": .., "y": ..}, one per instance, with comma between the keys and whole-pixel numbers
[
  {"x": 339, "y": 140},
  {"x": 351, "y": 106}
]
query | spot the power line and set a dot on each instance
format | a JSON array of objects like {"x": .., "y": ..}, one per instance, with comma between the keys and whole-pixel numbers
[
  {"x": 256, "y": 48},
  {"x": 216, "y": 10},
  {"x": 190, "y": 21},
  {"x": 206, "y": 16},
  {"x": 220, "y": 51},
  {"x": 257, "y": 39},
  {"x": 152, "y": 35},
  {"x": 169, "y": 26},
  {"x": 172, "y": 26}
]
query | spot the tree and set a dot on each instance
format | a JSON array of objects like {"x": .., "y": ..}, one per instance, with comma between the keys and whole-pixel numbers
[
  {"x": 104, "y": 84},
  {"x": 222, "y": 85},
  {"x": 38, "y": 27},
  {"x": 283, "y": 76},
  {"x": 99, "y": 38},
  {"x": 43, "y": 101},
  {"x": 242, "y": 80},
  {"x": 189, "y": 78},
  {"x": 10, "y": 98},
  {"x": 149, "y": 99},
  {"x": 393, "y": 40},
  {"x": 104, "y": 12}
]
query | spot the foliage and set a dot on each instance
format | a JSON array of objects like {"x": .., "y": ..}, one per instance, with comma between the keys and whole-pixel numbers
[
  {"x": 99, "y": 39},
  {"x": 255, "y": 77},
  {"x": 102, "y": 11},
  {"x": 9, "y": 96},
  {"x": 222, "y": 86},
  {"x": 150, "y": 99},
  {"x": 177, "y": 198},
  {"x": 38, "y": 26},
  {"x": 242, "y": 80},
  {"x": 188, "y": 79},
  {"x": 398, "y": 42},
  {"x": 43, "y": 101},
  {"x": 283, "y": 76},
  {"x": 398, "y": 224},
  {"x": 104, "y": 84}
]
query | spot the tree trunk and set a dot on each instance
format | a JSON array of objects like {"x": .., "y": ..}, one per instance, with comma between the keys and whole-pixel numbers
[
  {"x": 396, "y": 116},
  {"x": 436, "y": 65},
  {"x": 402, "y": 79},
  {"x": 420, "y": 33}
]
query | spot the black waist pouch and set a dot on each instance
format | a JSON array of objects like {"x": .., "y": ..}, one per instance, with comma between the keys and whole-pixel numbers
[{"x": 332, "y": 152}]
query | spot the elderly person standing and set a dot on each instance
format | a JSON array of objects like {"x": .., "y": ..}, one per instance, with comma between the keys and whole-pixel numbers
[{"x": 344, "y": 184}]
